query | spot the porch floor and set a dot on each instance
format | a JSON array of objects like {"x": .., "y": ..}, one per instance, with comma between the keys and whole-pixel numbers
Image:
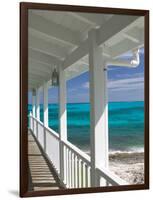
[{"x": 42, "y": 175}]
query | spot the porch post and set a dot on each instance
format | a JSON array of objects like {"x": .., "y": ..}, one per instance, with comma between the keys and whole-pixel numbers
[
  {"x": 45, "y": 87},
  {"x": 46, "y": 104},
  {"x": 37, "y": 105},
  {"x": 33, "y": 103},
  {"x": 99, "y": 110},
  {"x": 62, "y": 121}
]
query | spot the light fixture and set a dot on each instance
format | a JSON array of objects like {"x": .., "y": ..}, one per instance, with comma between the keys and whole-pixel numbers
[
  {"x": 55, "y": 78},
  {"x": 34, "y": 92}
]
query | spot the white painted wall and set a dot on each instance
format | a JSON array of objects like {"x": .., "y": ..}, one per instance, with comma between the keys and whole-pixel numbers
[{"x": 9, "y": 99}]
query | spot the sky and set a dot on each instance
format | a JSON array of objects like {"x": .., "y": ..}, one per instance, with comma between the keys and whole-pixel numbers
[{"x": 123, "y": 83}]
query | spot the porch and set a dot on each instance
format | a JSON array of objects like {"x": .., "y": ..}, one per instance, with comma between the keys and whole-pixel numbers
[
  {"x": 62, "y": 46},
  {"x": 46, "y": 152},
  {"x": 42, "y": 175}
]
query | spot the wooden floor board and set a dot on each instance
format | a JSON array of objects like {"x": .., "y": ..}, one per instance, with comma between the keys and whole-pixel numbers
[{"x": 42, "y": 175}]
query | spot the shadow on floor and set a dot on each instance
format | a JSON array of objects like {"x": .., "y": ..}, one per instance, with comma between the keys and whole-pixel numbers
[{"x": 42, "y": 175}]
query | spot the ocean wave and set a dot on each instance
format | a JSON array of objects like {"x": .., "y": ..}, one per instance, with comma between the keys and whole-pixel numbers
[{"x": 131, "y": 150}]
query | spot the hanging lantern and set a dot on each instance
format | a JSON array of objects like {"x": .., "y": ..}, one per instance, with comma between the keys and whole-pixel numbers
[
  {"x": 34, "y": 92},
  {"x": 55, "y": 78}
]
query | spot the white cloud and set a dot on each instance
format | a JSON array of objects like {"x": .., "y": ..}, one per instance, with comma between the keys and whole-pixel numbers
[
  {"x": 126, "y": 84},
  {"x": 71, "y": 90},
  {"x": 86, "y": 85}
]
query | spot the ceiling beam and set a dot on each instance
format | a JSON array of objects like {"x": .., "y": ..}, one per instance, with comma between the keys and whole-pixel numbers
[
  {"x": 38, "y": 64},
  {"x": 76, "y": 54},
  {"x": 136, "y": 34},
  {"x": 32, "y": 86},
  {"x": 35, "y": 78},
  {"x": 38, "y": 78},
  {"x": 53, "y": 30},
  {"x": 30, "y": 59},
  {"x": 123, "y": 47},
  {"x": 38, "y": 73},
  {"x": 35, "y": 83},
  {"x": 43, "y": 58},
  {"x": 92, "y": 19},
  {"x": 82, "y": 18},
  {"x": 112, "y": 27},
  {"x": 47, "y": 47},
  {"x": 39, "y": 70}
]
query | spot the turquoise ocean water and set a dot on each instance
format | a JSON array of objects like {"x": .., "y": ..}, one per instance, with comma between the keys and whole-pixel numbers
[{"x": 126, "y": 124}]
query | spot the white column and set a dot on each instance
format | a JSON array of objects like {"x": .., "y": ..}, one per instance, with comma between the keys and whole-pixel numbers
[
  {"x": 46, "y": 104},
  {"x": 45, "y": 112},
  {"x": 62, "y": 120},
  {"x": 99, "y": 110},
  {"x": 33, "y": 104},
  {"x": 37, "y": 105},
  {"x": 62, "y": 105}
]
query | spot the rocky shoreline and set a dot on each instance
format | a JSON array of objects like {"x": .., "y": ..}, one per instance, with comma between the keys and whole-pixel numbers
[{"x": 128, "y": 166}]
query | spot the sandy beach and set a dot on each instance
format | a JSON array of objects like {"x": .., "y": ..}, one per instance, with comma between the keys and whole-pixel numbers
[{"x": 128, "y": 166}]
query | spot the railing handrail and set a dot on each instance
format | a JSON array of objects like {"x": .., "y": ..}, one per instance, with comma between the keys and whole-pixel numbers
[
  {"x": 101, "y": 172},
  {"x": 69, "y": 145},
  {"x": 110, "y": 176},
  {"x": 51, "y": 131},
  {"x": 85, "y": 157}
]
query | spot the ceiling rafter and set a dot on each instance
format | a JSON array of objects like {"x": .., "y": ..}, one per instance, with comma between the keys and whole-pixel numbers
[
  {"x": 43, "y": 58},
  {"x": 38, "y": 76},
  {"x": 46, "y": 47},
  {"x": 136, "y": 34},
  {"x": 104, "y": 33},
  {"x": 39, "y": 65},
  {"x": 38, "y": 73},
  {"x": 123, "y": 47},
  {"x": 89, "y": 18},
  {"x": 53, "y": 30}
]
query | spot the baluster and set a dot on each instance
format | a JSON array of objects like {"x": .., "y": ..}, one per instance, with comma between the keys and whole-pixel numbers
[
  {"x": 86, "y": 175},
  {"x": 71, "y": 167},
  {"x": 67, "y": 167},
  {"x": 72, "y": 172},
  {"x": 79, "y": 173},
  {"x": 65, "y": 160},
  {"x": 45, "y": 147},
  {"x": 89, "y": 176},
  {"x": 75, "y": 171},
  {"x": 33, "y": 124},
  {"x": 82, "y": 174},
  {"x": 37, "y": 133}
]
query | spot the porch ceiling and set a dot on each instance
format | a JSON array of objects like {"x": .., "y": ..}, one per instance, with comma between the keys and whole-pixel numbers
[{"x": 61, "y": 39}]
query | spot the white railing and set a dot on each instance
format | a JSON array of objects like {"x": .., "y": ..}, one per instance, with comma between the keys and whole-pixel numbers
[
  {"x": 107, "y": 178},
  {"x": 76, "y": 166},
  {"x": 76, "y": 163}
]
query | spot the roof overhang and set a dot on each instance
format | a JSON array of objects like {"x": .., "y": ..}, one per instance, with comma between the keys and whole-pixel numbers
[{"x": 61, "y": 39}]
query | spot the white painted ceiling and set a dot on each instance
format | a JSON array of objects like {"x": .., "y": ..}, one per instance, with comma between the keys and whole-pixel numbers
[{"x": 58, "y": 38}]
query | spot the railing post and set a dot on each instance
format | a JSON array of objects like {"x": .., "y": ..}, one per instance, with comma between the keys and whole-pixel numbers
[
  {"x": 33, "y": 103},
  {"x": 33, "y": 107},
  {"x": 37, "y": 105},
  {"x": 98, "y": 114},
  {"x": 62, "y": 121},
  {"x": 37, "y": 111},
  {"x": 31, "y": 121},
  {"x": 46, "y": 104},
  {"x": 45, "y": 112}
]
